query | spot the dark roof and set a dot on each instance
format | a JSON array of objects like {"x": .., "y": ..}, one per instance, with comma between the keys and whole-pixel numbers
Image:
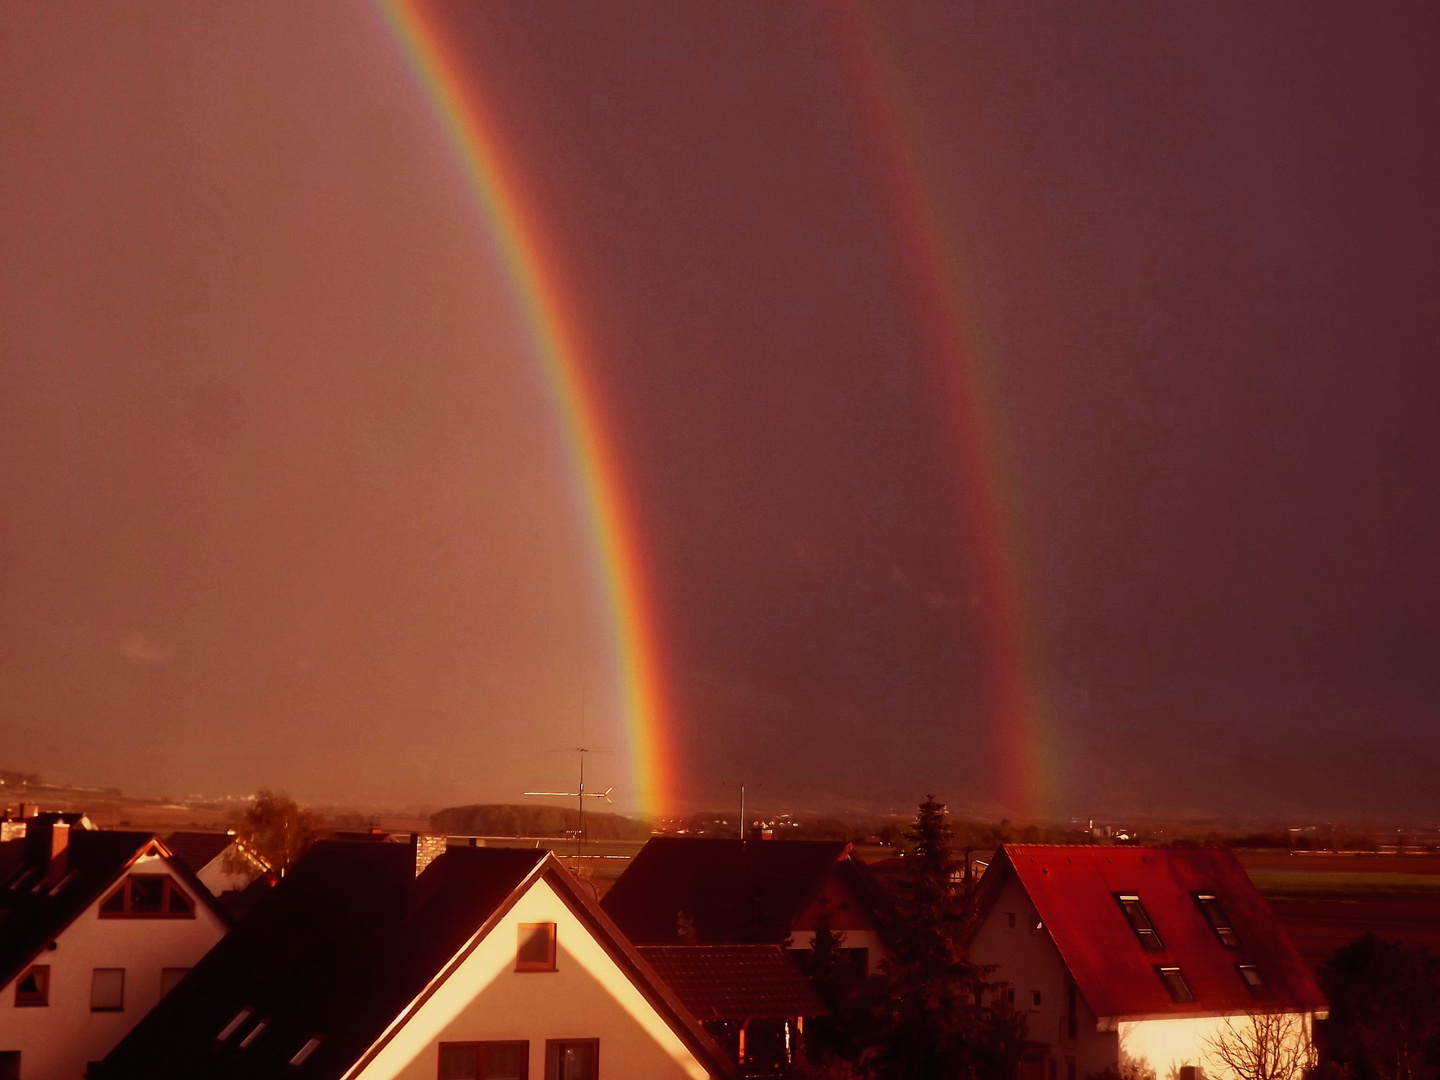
[
  {"x": 734, "y": 982},
  {"x": 33, "y": 911},
  {"x": 339, "y": 949},
  {"x": 1074, "y": 891},
  {"x": 198, "y": 850},
  {"x": 729, "y": 891}
]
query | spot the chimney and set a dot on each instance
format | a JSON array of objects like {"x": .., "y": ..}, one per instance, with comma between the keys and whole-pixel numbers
[
  {"x": 427, "y": 849},
  {"x": 59, "y": 852},
  {"x": 29, "y": 810}
]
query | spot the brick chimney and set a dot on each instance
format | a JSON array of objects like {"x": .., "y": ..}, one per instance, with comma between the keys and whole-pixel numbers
[
  {"x": 47, "y": 839},
  {"x": 427, "y": 849}
]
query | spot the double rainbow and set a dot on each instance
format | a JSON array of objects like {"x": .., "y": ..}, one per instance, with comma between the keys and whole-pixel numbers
[{"x": 551, "y": 316}]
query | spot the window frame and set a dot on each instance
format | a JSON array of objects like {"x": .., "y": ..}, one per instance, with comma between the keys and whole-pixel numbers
[
  {"x": 1151, "y": 943},
  {"x": 557, "y": 1043},
  {"x": 1218, "y": 920},
  {"x": 40, "y": 998},
  {"x": 480, "y": 1047},
  {"x": 94, "y": 972},
  {"x": 168, "y": 890},
  {"x": 1163, "y": 971},
  {"x": 521, "y": 940},
  {"x": 1260, "y": 988}
]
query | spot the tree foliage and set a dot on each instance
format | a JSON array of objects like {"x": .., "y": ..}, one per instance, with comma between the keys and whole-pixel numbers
[
  {"x": 278, "y": 829},
  {"x": 1384, "y": 1012}
]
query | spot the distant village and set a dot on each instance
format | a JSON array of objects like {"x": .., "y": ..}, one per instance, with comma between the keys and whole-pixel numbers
[{"x": 286, "y": 946}]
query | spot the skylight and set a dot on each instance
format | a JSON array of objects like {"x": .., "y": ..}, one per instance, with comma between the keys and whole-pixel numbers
[
  {"x": 254, "y": 1033},
  {"x": 234, "y": 1025},
  {"x": 1218, "y": 920},
  {"x": 306, "y": 1050},
  {"x": 1140, "y": 922},
  {"x": 1254, "y": 980},
  {"x": 1176, "y": 985}
]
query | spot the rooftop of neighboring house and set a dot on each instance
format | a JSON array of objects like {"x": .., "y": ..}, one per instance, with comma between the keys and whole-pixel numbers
[
  {"x": 735, "y": 982},
  {"x": 1154, "y": 932},
  {"x": 198, "y": 850},
  {"x": 706, "y": 890},
  {"x": 52, "y": 875}
]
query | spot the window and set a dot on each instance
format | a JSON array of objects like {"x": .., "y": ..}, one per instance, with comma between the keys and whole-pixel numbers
[
  {"x": 1140, "y": 922},
  {"x": 33, "y": 987},
  {"x": 148, "y": 896},
  {"x": 1175, "y": 983},
  {"x": 535, "y": 951},
  {"x": 305, "y": 1051},
  {"x": 1254, "y": 980},
  {"x": 1035, "y": 998},
  {"x": 485, "y": 1061},
  {"x": 9, "y": 1065},
  {"x": 1219, "y": 922},
  {"x": 107, "y": 990},
  {"x": 1069, "y": 1069},
  {"x": 1009, "y": 920},
  {"x": 577, "y": 1059},
  {"x": 170, "y": 978},
  {"x": 254, "y": 1033},
  {"x": 234, "y": 1025}
]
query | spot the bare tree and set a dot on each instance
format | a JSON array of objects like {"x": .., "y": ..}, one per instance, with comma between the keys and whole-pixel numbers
[{"x": 1264, "y": 1046}]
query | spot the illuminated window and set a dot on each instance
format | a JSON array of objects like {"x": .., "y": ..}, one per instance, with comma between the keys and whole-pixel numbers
[
  {"x": 1254, "y": 980},
  {"x": 1219, "y": 922},
  {"x": 1176, "y": 985},
  {"x": 577, "y": 1059},
  {"x": 147, "y": 896},
  {"x": 1140, "y": 922},
  {"x": 107, "y": 990},
  {"x": 33, "y": 988},
  {"x": 535, "y": 950},
  {"x": 485, "y": 1061}
]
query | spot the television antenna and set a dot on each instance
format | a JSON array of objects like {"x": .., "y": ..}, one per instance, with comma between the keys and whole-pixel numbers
[{"x": 580, "y": 794}]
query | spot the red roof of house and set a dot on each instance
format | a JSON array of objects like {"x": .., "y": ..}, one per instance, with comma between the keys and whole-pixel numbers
[
  {"x": 734, "y": 982},
  {"x": 1075, "y": 890}
]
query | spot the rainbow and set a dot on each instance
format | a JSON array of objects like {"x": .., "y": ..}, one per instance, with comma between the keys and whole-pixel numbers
[
  {"x": 1018, "y": 709},
  {"x": 552, "y": 317}
]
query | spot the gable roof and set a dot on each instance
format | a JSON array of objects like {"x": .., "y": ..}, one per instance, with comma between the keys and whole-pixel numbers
[
  {"x": 33, "y": 912},
  {"x": 198, "y": 850},
  {"x": 732, "y": 891},
  {"x": 1075, "y": 889},
  {"x": 345, "y": 947},
  {"x": 735, "y": 982}
]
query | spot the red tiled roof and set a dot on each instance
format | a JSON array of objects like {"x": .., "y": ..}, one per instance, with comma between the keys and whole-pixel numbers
[
  {"x": 1074, "y": 890},
  {"x": 734, "y": 982},
  {"x": 198, "y": 850}
]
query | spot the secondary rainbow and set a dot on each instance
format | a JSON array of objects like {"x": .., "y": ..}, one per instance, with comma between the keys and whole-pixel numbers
[
  {"x": 607, "y": 505},
  {"x": 1018, "y": 707}
]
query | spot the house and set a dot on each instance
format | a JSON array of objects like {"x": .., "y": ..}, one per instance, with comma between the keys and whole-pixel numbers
[
  {"x": 222, "y": 861},
  {"x": 702, "y": 890},
  {"x": 753, "y": 999},
  {"x": 415, "y": 961},
  {"x": 1136, "y": 959},
  {"x": 94, "y": 928}
]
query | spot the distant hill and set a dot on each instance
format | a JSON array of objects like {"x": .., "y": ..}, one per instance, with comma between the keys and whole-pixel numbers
[{"x": 497, "y": 819}]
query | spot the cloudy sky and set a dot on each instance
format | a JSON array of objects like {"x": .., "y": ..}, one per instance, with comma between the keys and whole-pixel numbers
[{"x": 286, "y": 501}]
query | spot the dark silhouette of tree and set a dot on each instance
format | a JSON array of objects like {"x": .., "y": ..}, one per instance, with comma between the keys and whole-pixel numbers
[
  {"x": 1384, "y": 1012},
  {"x": 276, "y": 828}
]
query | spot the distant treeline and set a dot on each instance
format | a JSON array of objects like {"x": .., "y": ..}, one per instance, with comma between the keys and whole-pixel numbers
[
  {"x": 977, "y": 835},
  {"x": 19, "y": 779},
  {"x": 507, "y": 820}
]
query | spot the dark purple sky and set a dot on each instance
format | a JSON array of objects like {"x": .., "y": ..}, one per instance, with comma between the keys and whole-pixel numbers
[{"x": 285, "y": 501}]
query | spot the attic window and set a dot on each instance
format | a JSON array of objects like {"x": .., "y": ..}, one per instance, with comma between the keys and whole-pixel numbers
[
  {"x": 254, "y": 1033},
  {"x": 1219, "y": 922},
  {"x": 306, "y": 1050},
  {"x": 234, "y": 1025},
  {"x": 535, "y": 950},
  {"x": 1176, "y": 985},
  {"x": 1254, "y": 980},
  {"x": 148, "y": 896},
  {"x": 33, "y": 988},
  {"x": 1140, "y": 922}
]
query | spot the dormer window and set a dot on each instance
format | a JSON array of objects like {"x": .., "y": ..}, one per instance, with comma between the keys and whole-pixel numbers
[
  {"x": 148, "y": 896},
  {"x": 1139, "y": 920},
  {"x": 1175, "y": 985},
  {"x": 535, "y": 949},
  {"x": 1218, "y": 920}
]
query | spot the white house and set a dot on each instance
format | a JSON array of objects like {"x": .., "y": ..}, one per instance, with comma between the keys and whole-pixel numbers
[
  {"x": 221, "y": 861},
  {"x": 1136, "y": 959},
  {"x": 387, "y": 961},
  {"x": 94, "y": 928}
]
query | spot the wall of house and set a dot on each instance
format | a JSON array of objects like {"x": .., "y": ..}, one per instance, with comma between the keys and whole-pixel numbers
[
  {"x": 848, "y": 915},
  {"x": 57, "y": 1041},
  {"x": 1166, "y": 1045},
  {"x": 218, "y": 875},
  {"x": 1026, "y": 958},
  {"x": 587, "y": 996}
]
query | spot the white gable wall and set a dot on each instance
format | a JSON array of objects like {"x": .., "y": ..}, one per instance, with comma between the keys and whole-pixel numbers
[
  {"x": 58, "y": 1040},
  {"x": 588, "y": 996},
  {"x": 1166, "y": 1045},
  {"x": 1028, "y": 960},
  {"x": 219, "y": 875}
]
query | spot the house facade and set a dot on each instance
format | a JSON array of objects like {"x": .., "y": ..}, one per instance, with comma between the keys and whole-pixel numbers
[
  {"x": 1138, "y": 960},
  {"x": 487, "y": 963},
  {"x": 95, "y": 927},
  {"x": 222, "y": 861}
]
